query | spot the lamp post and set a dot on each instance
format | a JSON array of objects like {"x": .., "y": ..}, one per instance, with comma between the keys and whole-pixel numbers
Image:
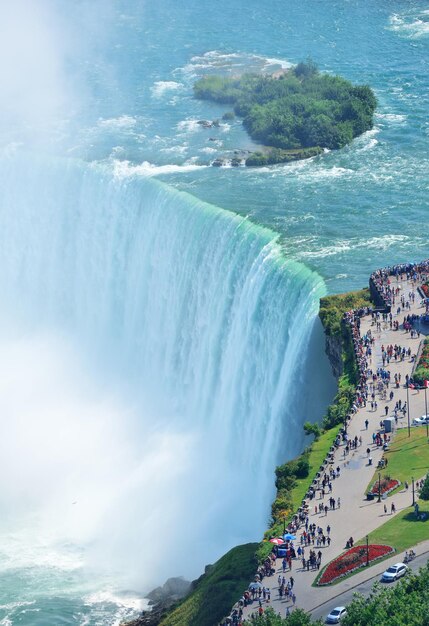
[
  {"x": 367, "y": 552},
  {"x": 408, "y": 410},
  {"x": 414, "y": 499},
  {"x": 426, "y": 408},
  {"x": 379, "y": 487},
  {"x": 284, "y": 524}
]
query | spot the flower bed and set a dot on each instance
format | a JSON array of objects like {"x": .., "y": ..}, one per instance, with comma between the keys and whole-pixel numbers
[
  {"x": 387, "y": 485},
  {"x": 425, "y": 289},
  {"x": 422, "y": 370},
  {"x": 351, "y": 560}
]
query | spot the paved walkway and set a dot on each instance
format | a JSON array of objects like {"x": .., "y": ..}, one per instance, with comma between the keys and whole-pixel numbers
[{"x": 357, "y": 516}]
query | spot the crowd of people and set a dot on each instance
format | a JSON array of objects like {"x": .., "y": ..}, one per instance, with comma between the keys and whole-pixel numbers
[{"x": 381, "y": 279}]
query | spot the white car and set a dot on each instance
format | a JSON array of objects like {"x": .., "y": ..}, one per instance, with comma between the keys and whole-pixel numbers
[
  {"x": 336, "y": 615},
  {"x": 418, "y": 421},
  {"x": 394, "y": 572}
]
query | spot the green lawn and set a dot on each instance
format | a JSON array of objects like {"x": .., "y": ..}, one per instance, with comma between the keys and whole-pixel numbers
[
  {"x": 403, "y": 531},
  {"x": 407, "y": 457},
  {"x": 318, "y": 453}
]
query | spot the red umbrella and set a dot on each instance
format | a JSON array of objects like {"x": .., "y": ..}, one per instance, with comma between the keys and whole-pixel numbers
[{"x": 277, "y": 541}]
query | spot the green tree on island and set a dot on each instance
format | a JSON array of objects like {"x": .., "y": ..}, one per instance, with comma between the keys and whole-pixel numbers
[{"x": 298, "y": 114}]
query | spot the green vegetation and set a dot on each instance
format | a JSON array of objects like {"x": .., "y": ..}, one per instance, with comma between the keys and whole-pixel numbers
[
  {"x": 215, "y": 592},
  {"x": 332, "y": 309},
  {"x": 301, "y": 109},
  {"x": 312, "y": 429},
  {"x": 292, "y": 481},
  {"x": 422, "y": 370},
  {"x": 298, "y": 617},
  {"x": 402, "y": 531},
  {"x": 407, "y": 457},
  {"x": 424, "y": 491},
  {"x": 277, "y": 155}
]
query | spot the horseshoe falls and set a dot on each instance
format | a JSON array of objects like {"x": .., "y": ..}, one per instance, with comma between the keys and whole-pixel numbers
[{"x": 152, "y": 372}]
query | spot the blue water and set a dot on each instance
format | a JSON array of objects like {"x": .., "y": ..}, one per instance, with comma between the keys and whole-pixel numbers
[{"x": 143, "y": 323}]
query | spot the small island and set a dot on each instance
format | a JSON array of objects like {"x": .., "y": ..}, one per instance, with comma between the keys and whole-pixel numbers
[{"x": 296, "y": 114}]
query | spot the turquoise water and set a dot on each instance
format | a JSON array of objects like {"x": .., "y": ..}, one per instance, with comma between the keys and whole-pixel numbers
[
  {"x": 143, "y": 323},
  {"x": 343, "y": 213}
]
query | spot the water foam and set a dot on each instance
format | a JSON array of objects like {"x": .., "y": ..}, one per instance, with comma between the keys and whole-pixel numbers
[
  {"x": 410, "y": 24},
  {"x": 125, "y": 169},
  {"x": 161, "y": 87}
]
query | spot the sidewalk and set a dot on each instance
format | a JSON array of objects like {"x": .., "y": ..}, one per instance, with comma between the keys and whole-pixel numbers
[{"x": 357, "y": 516}]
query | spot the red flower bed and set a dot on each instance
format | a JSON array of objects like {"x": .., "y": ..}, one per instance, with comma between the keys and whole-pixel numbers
[
  {"x": 425, "y": 289},
  {"x": 386, "y": 486},
  {"x": 351, "y": 560}
]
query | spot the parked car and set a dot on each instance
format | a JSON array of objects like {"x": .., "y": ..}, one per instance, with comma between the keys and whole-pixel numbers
[
  {"x": 336, "y": 615},
  {"x": 394, "y": 572},
  {"x": 418, "y": 421}
]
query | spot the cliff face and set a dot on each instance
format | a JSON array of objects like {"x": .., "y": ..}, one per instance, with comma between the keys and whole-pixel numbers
[{"x": 333, "y": 348}]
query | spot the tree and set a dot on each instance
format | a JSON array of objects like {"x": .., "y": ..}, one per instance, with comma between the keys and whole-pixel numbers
[
  {"x": 424, "y": 492},
  {"x": 299, "y": 114},
  {"x": 297, "y": 617},
  {"x": 312, "y": 429}
]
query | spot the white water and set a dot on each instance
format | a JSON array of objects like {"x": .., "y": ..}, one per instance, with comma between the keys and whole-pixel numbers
[{"x": 150, "y": 361}]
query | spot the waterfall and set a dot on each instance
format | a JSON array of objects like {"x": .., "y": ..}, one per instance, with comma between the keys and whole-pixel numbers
[{"x": 180, "y": 327}]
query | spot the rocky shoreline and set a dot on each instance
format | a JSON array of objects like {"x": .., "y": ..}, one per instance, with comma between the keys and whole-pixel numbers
[{"x": 162, "y": 600}]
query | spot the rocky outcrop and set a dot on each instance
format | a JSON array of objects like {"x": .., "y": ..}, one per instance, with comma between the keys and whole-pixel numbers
[
  {"x": 162, "y": 599},
  {"x": 174, "y": 588},
  {"x": 208, "y": 124},
  {"x": 333, "y": 348}
]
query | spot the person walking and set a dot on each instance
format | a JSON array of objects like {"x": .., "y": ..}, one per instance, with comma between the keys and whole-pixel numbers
[{"x": 366, "y": 424}]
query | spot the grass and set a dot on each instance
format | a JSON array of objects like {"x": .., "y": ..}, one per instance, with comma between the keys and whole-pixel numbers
[
  {"x": 318, "y": 453},
  {"x": 404, "y": 530},
  {"x": 407, "y": 457},
  {"x": 332, "y": 308}
]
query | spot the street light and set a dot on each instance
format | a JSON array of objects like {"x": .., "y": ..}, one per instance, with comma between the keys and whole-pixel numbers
[
  {"x": 379, "y": 487},
  {"x": 408, "y": 410},
  {"x": 414, "y": 499},
  {"x": 367, "y": 552},
  {"x": 426, "y": 407}
]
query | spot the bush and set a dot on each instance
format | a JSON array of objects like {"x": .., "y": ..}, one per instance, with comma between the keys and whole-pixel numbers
[
  {"x": 424, "y": 492},
  {"x": 312, "y": 429}
]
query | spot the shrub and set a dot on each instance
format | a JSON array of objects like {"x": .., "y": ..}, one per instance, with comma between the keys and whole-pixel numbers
[{"x": 424, "y": 492}]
